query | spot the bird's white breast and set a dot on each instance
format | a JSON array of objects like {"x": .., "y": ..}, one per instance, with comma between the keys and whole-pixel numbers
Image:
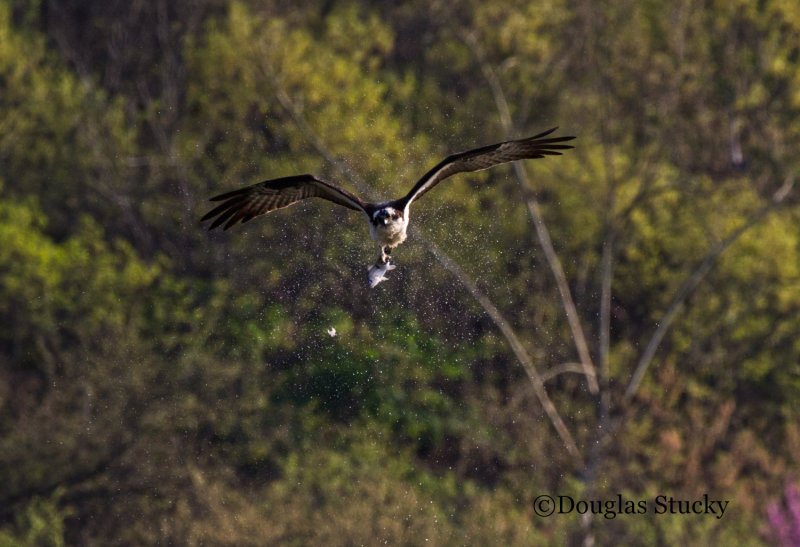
[{"x": 392, "y": 234}]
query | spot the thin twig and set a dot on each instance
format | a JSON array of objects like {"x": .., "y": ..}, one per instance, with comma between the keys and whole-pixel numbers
[{"x": 564, "y": 368}]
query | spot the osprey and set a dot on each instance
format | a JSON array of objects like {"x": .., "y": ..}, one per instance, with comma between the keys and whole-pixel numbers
[{"x": 388, "y": 221}]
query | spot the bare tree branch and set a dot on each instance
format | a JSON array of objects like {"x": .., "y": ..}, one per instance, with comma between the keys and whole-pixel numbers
[
  {"x": 564, "y": 368},
  {"x": 541, "y": 228},
  {"x": 691, "y": 283},
  {"x": 604, "y": 336},
  {"x": 516, "y": 346}
]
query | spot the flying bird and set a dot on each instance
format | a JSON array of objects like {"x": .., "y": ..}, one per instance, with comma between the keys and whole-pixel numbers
[{"x": 388, "y": 221}]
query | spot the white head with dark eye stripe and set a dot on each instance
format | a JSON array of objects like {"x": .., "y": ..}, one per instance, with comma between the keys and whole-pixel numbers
[
  {"x": 387, "y": 216},
  {"x": 388, "y": 226}
]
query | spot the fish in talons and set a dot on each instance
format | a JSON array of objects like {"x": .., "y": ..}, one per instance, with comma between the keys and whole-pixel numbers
[{"x": 378, "y": 271}]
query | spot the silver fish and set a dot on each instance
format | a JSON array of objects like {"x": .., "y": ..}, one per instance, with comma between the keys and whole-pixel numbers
[{"x": 377, "y": 272}]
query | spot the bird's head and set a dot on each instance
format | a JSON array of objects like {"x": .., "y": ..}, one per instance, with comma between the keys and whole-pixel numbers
[{"x": 387, "y": 216}]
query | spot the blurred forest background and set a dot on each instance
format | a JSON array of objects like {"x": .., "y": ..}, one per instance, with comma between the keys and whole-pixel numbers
[{"x": 622, "y": 319}]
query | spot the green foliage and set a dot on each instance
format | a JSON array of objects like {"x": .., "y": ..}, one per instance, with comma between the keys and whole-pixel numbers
[
  {"x": 361, "y": 373},
  {"x": 162, "y": 385},
  {"x": 40, "y": 523},
  {"x": 47, "y": 284},
  {"x": 56, "y": 126}
]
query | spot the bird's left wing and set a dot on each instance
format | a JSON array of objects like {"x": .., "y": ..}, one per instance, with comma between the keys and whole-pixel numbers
[
  {"x": 264, "y": 197},
  {"x": 488, "y": 156}
]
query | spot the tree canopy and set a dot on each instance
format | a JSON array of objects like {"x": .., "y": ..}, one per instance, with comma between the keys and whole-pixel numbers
[{"x": 619, "y": 322}]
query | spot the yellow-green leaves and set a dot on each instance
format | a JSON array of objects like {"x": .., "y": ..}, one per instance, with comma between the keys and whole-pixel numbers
[{"x": 82, "y": 287}]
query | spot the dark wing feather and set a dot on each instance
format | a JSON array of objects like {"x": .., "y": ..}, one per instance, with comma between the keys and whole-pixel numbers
[
  {"x": 246, "y": 203},
  {"x": 489, "y": 156}
]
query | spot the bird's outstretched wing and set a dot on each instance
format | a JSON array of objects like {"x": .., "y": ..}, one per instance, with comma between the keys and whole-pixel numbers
[
  {"x": 258, "y": 199},
  {"x": 486, "y": 157}
]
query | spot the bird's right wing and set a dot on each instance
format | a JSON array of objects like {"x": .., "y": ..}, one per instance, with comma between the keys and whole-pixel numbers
[{"x": 246, "y": 203}]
